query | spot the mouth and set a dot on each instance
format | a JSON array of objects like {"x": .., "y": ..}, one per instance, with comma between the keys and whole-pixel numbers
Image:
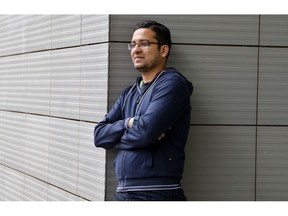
[{"x": 138, "y": 58}]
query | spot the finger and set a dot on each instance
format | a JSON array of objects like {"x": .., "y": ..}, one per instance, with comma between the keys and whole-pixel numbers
[{"x": 161, "y": 136}]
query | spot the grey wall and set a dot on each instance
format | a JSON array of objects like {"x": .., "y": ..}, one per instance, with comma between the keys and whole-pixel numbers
[
  {"x": 59, "y": 74},
  {"x": 237, "y": 63},
  {"x": 53, "y": 88}
]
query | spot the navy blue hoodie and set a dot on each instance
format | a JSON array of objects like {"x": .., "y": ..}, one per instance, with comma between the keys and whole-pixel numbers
[{"x": 163, "y": 106}]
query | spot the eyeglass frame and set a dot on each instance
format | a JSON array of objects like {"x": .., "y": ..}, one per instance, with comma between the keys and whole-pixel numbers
[{"x": 147, "y": 44}]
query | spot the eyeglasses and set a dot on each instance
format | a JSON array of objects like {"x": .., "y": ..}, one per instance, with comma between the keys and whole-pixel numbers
[{"x": 142, "y": 44}]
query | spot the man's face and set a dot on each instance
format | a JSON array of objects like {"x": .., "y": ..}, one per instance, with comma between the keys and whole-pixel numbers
[{"x": 146, "y": 59}]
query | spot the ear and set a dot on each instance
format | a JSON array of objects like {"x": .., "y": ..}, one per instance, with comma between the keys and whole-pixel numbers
[{"x": 164, "y": 50}]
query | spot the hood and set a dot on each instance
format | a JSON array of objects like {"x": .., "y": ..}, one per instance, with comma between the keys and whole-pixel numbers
[
  {"x": 168, "y": 70},
  {"x": 189, "y": 83}
]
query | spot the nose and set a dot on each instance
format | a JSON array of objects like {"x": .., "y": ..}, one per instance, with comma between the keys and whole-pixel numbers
[{"x": 137, "y": 48}]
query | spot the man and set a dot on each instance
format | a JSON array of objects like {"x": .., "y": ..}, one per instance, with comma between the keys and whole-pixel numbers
[{"x": 149, "y": 123}]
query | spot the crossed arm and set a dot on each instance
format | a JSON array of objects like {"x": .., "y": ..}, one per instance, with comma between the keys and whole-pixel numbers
[
  {"x": 130, "y": 125},
  {"x": 167, "y": 104}
]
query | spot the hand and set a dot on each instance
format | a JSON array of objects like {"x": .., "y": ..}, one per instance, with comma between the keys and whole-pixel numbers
[
  {"x": 161, "y": 136},
  {"x": 130, "y": 123}
]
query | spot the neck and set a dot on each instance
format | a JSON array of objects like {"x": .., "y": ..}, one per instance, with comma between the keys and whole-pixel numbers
[{"x": 149, "y": 76}]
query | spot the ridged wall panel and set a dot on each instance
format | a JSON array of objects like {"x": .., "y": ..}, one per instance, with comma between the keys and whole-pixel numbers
[
  {"x": 272, "y": 166},
  {"x": 13, "y": 185},
  {"x": 13, "y": 37},
  {"x": 91, "y": 165},
  {"x": 13, "y": 69},
  {"x": 194, "y": 29},
  {"x": 121, "y": 70},
  {"x": 65, "y": 30},
  {"x": 94, "y": 29},
  {"x": 39, "y": 30},
  {"x": 65, "y": 83},
  {"x": 63, "y": 154},
  {"x": 50, "y": 151},
  {"x": 34, "y": 190},
  {"x": 37, "y": 78},
  {"x": 36, "y": 146},
  {"x": 220, "y": 163},
  {"x": 272, "y": 151},
  {"x": 274, "y": 30},
  {"x": 2, "y": 176},
  {"x": 224, "y": 79},
  {"x": 94, "y": 81},
  {"x": 3, "y": 84},
  {"x": 53, "y": 90},
  {"x": 12, "y": 140},
  {"x": 273, "y": 88}
]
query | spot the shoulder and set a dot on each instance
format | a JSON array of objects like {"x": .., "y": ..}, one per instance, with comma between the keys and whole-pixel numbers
[
  {"x": 173, "y": 74},
  {"x": 174, "y": 79}
]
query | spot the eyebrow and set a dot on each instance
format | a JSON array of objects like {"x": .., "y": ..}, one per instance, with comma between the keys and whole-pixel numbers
[{"x": 141, "y": 40}]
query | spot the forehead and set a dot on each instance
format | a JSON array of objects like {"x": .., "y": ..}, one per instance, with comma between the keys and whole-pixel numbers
[{"x": 143, "y": 34}]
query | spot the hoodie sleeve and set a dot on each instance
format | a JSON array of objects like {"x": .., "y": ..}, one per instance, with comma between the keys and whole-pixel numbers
[
  {"x": 171, "y": 98},
  {"x": 109, "y": 131}
]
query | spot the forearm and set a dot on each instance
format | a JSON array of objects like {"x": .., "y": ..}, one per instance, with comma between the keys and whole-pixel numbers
[
  {"x": 142, "y": 133},
  {"x": 107, "y": 135},
  {"x": 109, "y": 131}
]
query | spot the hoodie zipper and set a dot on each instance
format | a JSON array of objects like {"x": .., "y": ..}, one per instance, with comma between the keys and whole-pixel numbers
[
  {"x": 123, "y": 169},
  {"x": 138, "y": 102},
  {"x": 140, "y": 99}
]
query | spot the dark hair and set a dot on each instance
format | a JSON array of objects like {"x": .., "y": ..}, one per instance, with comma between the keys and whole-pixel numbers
[{"x": 163, "y": 35}]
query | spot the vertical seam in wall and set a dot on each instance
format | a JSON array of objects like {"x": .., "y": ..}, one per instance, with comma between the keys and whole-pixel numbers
[
  {"x": 107, "y": 102},
  {"x": 257, "y": 104}
]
